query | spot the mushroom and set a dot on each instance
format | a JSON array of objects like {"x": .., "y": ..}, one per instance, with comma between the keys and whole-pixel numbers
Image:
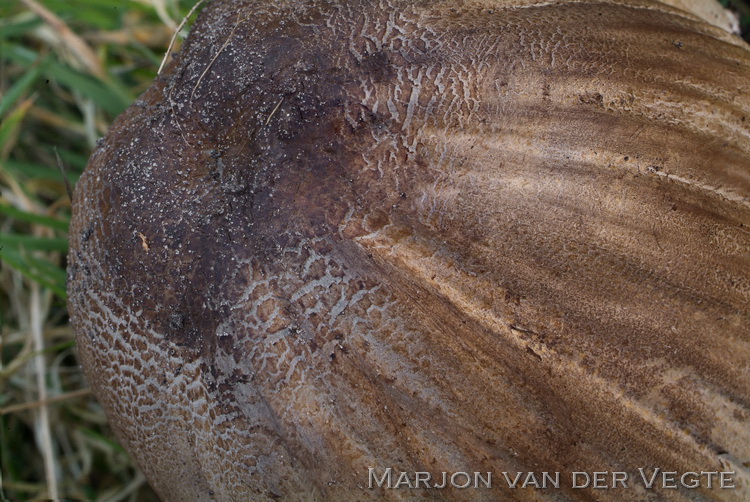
[{"x": 480, "y": 236}]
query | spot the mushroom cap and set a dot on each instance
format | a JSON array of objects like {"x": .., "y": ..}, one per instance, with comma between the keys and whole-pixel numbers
[{"x": 453, "y": 236}]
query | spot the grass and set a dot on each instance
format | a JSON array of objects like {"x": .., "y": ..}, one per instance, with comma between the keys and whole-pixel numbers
[{"x": 67, "y": 69}]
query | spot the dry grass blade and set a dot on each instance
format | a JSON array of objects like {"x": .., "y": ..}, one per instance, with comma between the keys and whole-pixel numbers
[
  {"x": 43, "y": 431},
  {"x": 176, "y": 32},
  {"x": 216, "y": 56},
  {"x": 38, "y": 404},
  {"x": 161, "y": 11},
  {"x": 8, "y": 370},
  {"x": 78, "y": 47},
  {"x": 67, "y": 69},
  {"x": 61, "y": 166}
]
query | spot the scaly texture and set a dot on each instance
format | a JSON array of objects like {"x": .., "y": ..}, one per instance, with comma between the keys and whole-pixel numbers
[{"x": 432, "y": 236}]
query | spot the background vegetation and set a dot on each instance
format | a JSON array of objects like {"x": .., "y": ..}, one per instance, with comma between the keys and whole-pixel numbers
[{"x": 67, "y": 69}]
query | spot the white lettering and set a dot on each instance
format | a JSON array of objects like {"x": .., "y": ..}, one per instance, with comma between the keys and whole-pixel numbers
[
  {"x": 478, "y": 477},
  {"x": 530, "y": 481},
  {"x": 386, "y": 476},
  {"x": 649, "y": 483},
  {"x": 445, "y": 481},
  {"x": 422, "y": 477},
  {"x": 515, "y": 480},
  {"x": 710, "y": 475},
  {"x": 621, "y": 478},
  {"x": 457, "y": 474},
  {"x": 652, "y": 478},
  {"x": 576, "y": 475},
  {"x": 600, "y": 480},
  {"x": 553, "y": 481},
  {"x": 403, "y": 479},
  {"x": 726, "y": 477},
  {"x": 690, "y": 480},
  {"x": 668, "y": 477}
]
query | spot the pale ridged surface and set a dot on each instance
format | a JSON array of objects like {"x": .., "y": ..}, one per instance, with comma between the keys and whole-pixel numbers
[{"x": 440, "y": 236}]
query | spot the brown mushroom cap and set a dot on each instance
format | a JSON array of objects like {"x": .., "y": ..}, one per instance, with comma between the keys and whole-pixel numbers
[{"x": 453, "y": 236}]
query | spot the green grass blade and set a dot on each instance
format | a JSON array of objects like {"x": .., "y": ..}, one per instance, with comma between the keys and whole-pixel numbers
[
  {"x": 110, "y": 96},
  {"x": 57, "y": 348},
  {"x": 20, "y": 25},
  {"x": 73, "y": 160},
  {"x": 102, "y": 439},
  {"x": 19, "y": 88},
  {"x": 30, "y": 267},
  {"x": 37, "y": 171},
  {"x": 33, "y": 243},
  {"x": 34, "y": 218},
  {"x": 11, "y": 123}
]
